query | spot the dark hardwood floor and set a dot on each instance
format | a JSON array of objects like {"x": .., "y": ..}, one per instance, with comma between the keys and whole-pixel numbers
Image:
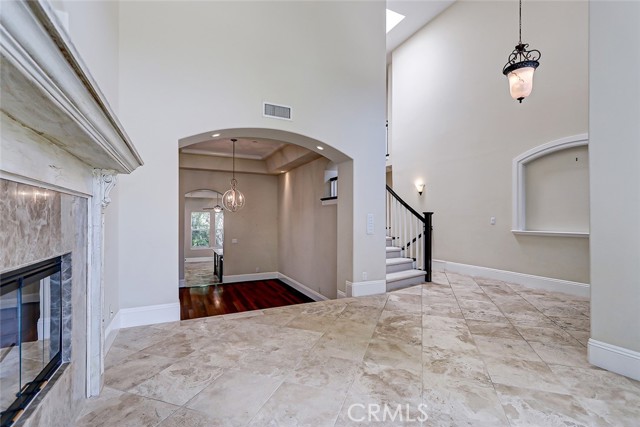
[{"x": 237, "y": 297}]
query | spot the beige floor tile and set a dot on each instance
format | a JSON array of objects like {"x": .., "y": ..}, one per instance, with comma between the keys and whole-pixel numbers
[
  {"x": 386, "y": 383},
  {"x": 234, "y": 398},
  {"x": 558, "y": 354},
  {"x": 463, "y": 403},
  {"x": 458, "y": 340},
  {"x": 524, "y": 374},
  {"x": 506, "y": 349},
  {"x": 308, "y": 364},
  {"x": 316, "y": 370},
  {"x": 496, "y": 330},
  {"x": 454, "y": 364},
  {"x": 525, "y": 407},
  {"x": 178, "y": 383},
  {"x": 135, "y": 370},
  {"x": 124, "y": 410},
  {"x": 297, "y": 405}
]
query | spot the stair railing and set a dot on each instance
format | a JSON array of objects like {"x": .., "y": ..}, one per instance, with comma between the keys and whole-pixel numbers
[{"x": 410, "y": 231}]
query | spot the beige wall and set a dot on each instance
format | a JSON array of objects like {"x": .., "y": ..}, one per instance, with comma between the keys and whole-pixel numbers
[
  {"x": 557, "y": 191},
  {"x": 614, "y": 131},
  {"x": 183, "y": 74},
  {"x": 255, "y": 227},
  {"x": 307, "y": 233},
  {"x": 456, "y": 127}
]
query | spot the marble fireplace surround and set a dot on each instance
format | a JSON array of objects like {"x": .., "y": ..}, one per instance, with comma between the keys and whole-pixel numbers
[{"x": 58, "y": 134}]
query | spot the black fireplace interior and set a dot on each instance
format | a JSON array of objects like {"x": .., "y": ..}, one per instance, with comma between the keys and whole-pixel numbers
[{"x": 30, "y": 334}]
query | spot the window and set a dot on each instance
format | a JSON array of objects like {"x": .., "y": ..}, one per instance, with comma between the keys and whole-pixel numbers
[
  {"x": 219, "y": 229},
  {"x": 200, "y": 229}
]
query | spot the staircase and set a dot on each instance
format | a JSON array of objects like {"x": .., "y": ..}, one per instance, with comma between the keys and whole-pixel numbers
[
  {"x": 408, "y": 244},
  {"x": 400, "y": 271}
]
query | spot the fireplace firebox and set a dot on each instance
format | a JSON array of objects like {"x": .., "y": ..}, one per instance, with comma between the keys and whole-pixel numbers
[{"x": 31, "y": 326}]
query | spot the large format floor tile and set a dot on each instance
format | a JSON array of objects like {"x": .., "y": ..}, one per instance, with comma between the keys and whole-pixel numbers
[{"x": 460, "y": 351}]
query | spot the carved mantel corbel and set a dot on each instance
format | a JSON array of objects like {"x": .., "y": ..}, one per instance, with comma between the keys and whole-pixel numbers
[{"x": 105, "y": 179}]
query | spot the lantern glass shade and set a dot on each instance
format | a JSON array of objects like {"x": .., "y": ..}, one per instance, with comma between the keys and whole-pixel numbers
[
  {"x": 233, "y": 199},
  {"x": 521, "y": 82}
]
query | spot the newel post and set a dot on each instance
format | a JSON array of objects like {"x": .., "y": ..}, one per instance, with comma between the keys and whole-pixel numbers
[{"x": 428, "y": 242}]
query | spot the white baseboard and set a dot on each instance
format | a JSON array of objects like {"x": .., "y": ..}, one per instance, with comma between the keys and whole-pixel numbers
[
  {"x": 342, "y": 294},
  {"x": 527, "y": 280},
  {"x": 615, "y": 359},
  {"x": 370, "y": 287},
  {"x": 302, "y": 288},
  {"x": 149, "y": 315},
  {"x": 249, "y": 277},
  {"x": 199, "y": 259},
  {"x": 111, "y": 331}
]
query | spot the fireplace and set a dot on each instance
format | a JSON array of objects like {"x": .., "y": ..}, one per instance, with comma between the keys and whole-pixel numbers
[
  {"x": 62, "y": 149},
  {"x": 31, "y": 345}
]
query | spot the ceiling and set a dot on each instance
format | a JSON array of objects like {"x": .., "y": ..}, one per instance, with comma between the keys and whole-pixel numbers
[
  {"x": 254, "y": 148},
  {"x": 417, "y": 14}
]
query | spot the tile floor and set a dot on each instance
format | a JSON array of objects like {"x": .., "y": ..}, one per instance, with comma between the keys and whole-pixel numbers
[
  {"x": 198, "y": 274},
  {"x": 464, "y": 351}
]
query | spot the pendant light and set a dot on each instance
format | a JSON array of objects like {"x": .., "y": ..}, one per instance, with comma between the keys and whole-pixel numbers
[
  {"x": 520, "y": 67},
  {"x": 233, "y": 199},
  {"x": 217, "y": 208}
]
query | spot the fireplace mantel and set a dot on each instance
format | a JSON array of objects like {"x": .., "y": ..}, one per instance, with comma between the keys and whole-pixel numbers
[
  {"x": 47, "y": 88},
  {"x": 59, "y": 133}
]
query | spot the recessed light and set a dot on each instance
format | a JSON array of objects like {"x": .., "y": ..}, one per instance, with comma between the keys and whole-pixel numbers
[
  {"x": 215, "y": 135},
  {"x": 320, "y": 148},
  {"x": 283, "y": 171},
  {"x": 393, "y": 19}
]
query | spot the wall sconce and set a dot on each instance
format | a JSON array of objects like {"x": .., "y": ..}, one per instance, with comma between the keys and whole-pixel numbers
[{"x": 420, "y": 187}]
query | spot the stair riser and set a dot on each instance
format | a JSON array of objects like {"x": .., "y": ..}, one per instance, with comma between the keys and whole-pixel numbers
[
  {"x": 396, "y": 254},
  {"x": 404, "y": 283},
  {"x": 400, "y": 267}
]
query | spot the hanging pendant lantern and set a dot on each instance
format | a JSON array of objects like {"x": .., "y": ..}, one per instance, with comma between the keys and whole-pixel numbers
[
  {"x": 520, "y": 67},
  {"x": 233, "y": 199},
  {"x": 217, "y": 208}
]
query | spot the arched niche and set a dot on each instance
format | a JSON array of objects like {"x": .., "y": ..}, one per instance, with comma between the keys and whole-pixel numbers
[{"x": 544, "y": 156}]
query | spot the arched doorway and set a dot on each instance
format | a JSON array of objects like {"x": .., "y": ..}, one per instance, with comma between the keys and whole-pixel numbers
[
  {"x": 285, "y": 230},
  {"x": 203, "y": 242}
]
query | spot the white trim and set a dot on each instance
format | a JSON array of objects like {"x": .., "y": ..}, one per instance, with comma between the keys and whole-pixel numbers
[
  {"x": 518, "y": 219},
  {"x": 200, "y": 259},
  {"x": 10, "y": 176},
  {"x": 615, "y": 359},
  {"x": 526, "y": 280},
  {"x": 341, "y": 294},
  {"x": 111, "y": 331},
  {"x": 302, "y": 288},
  {"x": 370, "y": 287},
  {"x": 329, "y": 202},
  {"x": 249, "y": 277},
  {"x": 149, "y": 315},
  {"x": 584, "y": 235}
]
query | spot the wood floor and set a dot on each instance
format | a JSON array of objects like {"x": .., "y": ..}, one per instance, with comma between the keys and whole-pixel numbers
[{"x": 236, "y": 297}]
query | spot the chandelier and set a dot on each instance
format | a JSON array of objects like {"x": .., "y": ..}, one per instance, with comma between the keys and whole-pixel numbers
[
  {"x": 520, "y": 67},
  {"x": 217, "y": 208},
  {"x": 233, "y": 199}
]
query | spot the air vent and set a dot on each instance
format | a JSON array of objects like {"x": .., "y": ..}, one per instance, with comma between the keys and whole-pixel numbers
[{"x": 276, "y": 111}]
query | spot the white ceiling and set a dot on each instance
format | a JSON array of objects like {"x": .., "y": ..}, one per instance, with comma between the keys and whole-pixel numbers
[
  {"x": 254, "y": 148},
  {"x": 417, "y": 14}
]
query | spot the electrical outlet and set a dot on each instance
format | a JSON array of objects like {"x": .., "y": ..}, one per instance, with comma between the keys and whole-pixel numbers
[
  {"x": 257, "y": 269},
  {"x": 234, "y": 241},
  {"x": 364, "y": 275},
  {"x": 492, "y": 221}
]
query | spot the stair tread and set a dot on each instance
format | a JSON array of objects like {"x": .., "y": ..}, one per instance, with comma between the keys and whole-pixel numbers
[
  {"x": 394, "y": 261},
  {"x": 406, "y": 274},
  {"x": 393, "y": 249}
]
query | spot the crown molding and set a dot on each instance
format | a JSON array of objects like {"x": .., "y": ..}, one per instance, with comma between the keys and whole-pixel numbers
[{"x": 47, "y": 88}]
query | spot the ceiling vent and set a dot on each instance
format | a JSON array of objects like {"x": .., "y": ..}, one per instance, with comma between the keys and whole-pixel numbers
[{"x": 276, "y": 111}]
